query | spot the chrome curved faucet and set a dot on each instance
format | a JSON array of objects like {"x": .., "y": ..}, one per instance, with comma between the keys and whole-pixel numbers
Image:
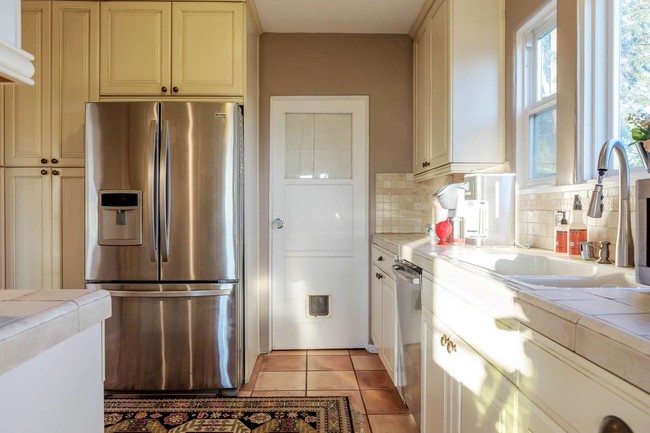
[{"x": 624, "y": 242}]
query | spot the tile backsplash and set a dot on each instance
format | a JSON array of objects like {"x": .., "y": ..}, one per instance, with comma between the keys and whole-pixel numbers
[{"x": 405, "y": 206}]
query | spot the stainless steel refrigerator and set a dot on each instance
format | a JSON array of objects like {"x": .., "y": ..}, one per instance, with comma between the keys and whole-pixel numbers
[{"x": 164, "y": 236}]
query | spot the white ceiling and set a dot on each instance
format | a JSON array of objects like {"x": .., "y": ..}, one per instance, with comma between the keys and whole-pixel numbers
[{"x": 338, "y": 16}]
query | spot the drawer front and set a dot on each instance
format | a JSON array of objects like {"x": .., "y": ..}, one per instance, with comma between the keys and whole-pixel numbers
[
  {"x": 588, "y": 393},
  {"x": 497, "y": 341},
  {"x": 384, "y": 260}
]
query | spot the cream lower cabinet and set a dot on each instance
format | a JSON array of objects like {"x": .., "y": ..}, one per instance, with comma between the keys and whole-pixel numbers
[
  {"x": 383, "y": 308},
  {"x": 483, "y": 372},
  {"x": 172, "y": 49},
  {"x": 44, "y": 226},
  {"x": 461, "y": 391}
]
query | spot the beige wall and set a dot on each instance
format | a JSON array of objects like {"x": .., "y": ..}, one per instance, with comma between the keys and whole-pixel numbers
[
  {"x": 379, "y": 66},
  {"x": 517, "y": 13}
]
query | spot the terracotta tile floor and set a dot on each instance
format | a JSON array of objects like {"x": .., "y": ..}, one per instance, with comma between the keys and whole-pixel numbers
[{"x": 355, "y": 373}]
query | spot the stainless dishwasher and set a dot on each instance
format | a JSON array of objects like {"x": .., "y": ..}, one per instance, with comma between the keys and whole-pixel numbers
[{"x": 409, "y": 314}]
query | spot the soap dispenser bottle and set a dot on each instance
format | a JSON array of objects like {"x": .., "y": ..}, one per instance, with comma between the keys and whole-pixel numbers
[
  {"x": 577, "y": 228},
  {"x": 562, "y": 234}
]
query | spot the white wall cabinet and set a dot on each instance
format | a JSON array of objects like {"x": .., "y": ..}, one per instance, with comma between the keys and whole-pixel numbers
[
  {"x": 383, "y": 308},
  {"x": 172, "y": 49},
  {"x": 458, "y": 88},
  {"x": 44, "y": 226}
]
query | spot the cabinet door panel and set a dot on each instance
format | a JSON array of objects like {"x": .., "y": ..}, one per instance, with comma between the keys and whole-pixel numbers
[
  {"x": 375, "y": 307},
  {"x": 75, "y": 75},
  {"x": 28, "y": 228},
  {"x": 68, "y": 228},
  {"x": 135, "y": 48},
  {"x": 207, "y": 48},
  {"x": 433, "y": 380},
  {"x": 438, "y": 114},
  {"x": 422, "y": 100},
  {"x": 27, "y": 108},
  {"x": 389, "y": 325}
]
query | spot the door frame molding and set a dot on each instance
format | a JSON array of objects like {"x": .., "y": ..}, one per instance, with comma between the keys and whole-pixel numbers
[{"x": 273, "y": 111}]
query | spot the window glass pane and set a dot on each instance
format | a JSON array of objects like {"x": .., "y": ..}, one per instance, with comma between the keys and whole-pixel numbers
[
  {"x": 547, "y": 66},
  {"x": 299, "y": 146},
  {"x": 634, "y": 68},
  {"x": 542, "y": 144},
  {"x": 318, "y": 146}
]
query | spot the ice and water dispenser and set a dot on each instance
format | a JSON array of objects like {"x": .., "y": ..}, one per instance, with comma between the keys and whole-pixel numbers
[{"x": 120, "y": 217}]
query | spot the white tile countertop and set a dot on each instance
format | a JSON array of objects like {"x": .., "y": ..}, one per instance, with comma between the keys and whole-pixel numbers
[
  {"x": 33, "y": 321},
  {"x": 609, "y": 326}
]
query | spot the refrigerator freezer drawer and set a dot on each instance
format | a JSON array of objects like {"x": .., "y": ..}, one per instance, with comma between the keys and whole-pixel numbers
[{"x": 173, "y": 337}]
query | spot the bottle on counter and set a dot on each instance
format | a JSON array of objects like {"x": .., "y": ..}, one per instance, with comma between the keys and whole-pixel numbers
[
  {"x": 562, "y": 234},
  {"x": 577, "y": 228}
]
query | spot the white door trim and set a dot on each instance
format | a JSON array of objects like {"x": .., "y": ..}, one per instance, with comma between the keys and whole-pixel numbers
[{"x": 276, "y": 103}]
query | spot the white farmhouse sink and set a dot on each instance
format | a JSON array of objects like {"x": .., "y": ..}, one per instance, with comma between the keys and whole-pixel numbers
[
  {"x": 529, "y": 265},
  {"x": 606, "y": 280}
]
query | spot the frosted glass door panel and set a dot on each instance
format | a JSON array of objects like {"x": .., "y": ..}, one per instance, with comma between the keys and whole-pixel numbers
[
  {"x": 318, "y": 146},
  {"x": 330, "y": 225}
]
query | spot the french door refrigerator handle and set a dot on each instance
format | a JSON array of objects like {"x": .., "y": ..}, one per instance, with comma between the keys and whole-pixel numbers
[
  {"x": 153, "y": 213},
  {"x": 165, "y": 194}
]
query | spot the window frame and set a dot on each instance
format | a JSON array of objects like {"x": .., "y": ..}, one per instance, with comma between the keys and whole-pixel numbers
[
  {"x": 526, "y": 105},
  {"x": 599, "y": 84}
]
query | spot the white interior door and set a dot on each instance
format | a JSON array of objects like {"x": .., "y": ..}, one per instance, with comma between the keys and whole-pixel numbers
[{"x": 319, "y": 234}]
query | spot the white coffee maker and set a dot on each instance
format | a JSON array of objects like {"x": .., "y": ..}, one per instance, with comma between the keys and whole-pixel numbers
[{"x": 490, "y": 209}]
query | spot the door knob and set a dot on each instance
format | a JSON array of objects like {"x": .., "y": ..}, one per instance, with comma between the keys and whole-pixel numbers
[{"x": 278, "y": 223}]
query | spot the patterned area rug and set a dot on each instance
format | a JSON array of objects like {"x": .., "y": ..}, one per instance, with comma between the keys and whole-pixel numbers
[{"x": 229, "y": 415}]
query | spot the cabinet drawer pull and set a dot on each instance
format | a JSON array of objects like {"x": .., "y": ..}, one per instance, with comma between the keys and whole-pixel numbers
[
  {"x": 175, "y": 89},
  {"x": 55, "y": 172},
  {"x": 451, "y": 346},
  {"x": 55, "y": 161},
  {"x": 43, "y": 172},
  {"x": 43, "y": 160},
  {"x": 163, "y": 89}
]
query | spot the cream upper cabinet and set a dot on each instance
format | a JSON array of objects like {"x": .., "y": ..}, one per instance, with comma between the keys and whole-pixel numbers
[
  {"x": 177, "y": 49},
  {"x": 75, "y": 72},
  {"x": 135, "y": 48},
  {"x": 458, "y": 88},
  {"x": 27, "y": 128},
  {"x": 207, "y": 48},
  {"x": 44, "y": 124}
]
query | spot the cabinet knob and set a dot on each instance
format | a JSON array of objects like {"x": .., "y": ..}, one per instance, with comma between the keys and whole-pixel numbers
[
  {"x": 380, "y": 276},
  {"x": 163, "y": 89},
  {"x": 43, "y": 172},
  {"x": 612, "y": 424},
  {"x": 451, "y": 346},
  {"x": 443, "y": 340},
  {"x": 55, "y": 172},
  {"x": 175, "y": 89},
  {"x": 43, "y": 160},
  {"x": 380, "y": 259},
  {"x": 55, "y": 161}
]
